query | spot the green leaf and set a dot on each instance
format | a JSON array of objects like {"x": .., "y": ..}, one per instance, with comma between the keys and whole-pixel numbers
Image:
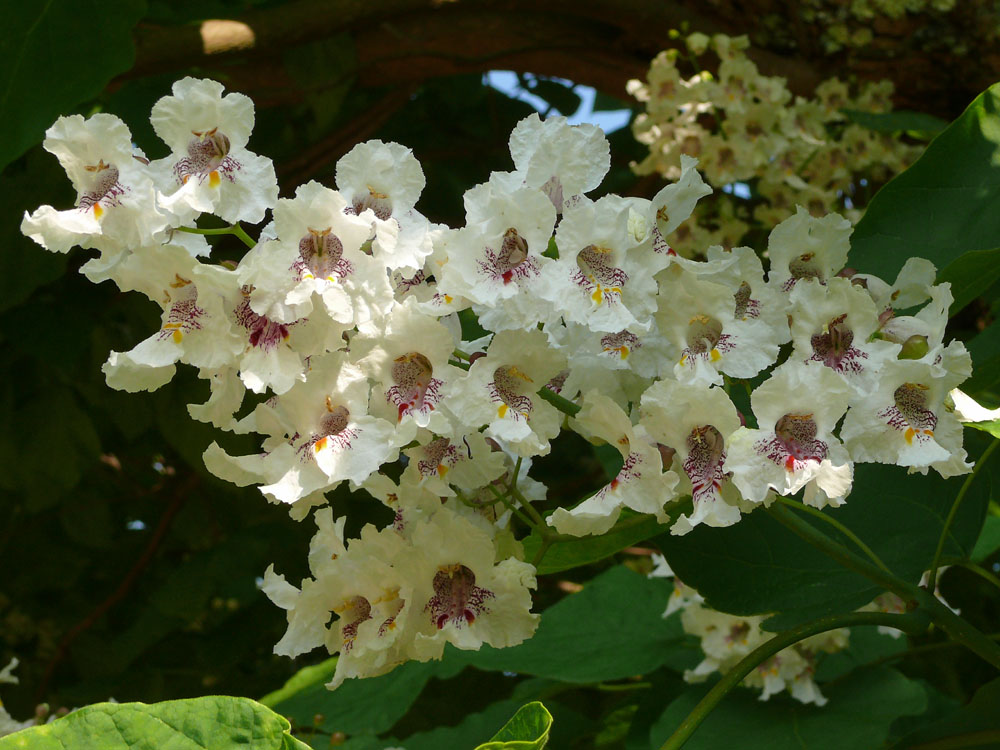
[
  {"x": 989, "y": 539},
  {"x": 900, "y": 120},
  {"x": 985, "y": 351},
  {"x": 970, "y": 275},
  {"x": 991, "y": 428},
  {"x": 57, "y": 54},
  {"x": 631, "y": 528},
  {"x": 611, "y": 630},
  {"x": 528, "y": 729},
  {"x": 757, "y": 566},
  {"x": 305, "y": 677},
  {"x": 371, "y": 705},
  {"x": 976, "y": 725},
  {"x": 943, "y": 206},
  {"x": 215, "y": 721},
  {"x": 858, "y": 715},
  {"x": 866, "y": 644}
]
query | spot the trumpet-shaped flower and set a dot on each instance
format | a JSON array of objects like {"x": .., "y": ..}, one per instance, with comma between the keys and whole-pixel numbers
[
  {"x": 794, "y": 448},
  {"x": 210, "y": 169},
  {"x": 641, "y": 484}
]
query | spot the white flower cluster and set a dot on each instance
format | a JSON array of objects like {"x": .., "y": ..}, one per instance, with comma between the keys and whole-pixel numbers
[
  {"x": 726, "y": 639},
  {"x": 344, "y": 317},
  {"x": 746, "y": 127}
]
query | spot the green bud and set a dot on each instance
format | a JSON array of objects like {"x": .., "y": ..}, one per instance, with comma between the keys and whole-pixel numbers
[{"x": 914, "y": 347}]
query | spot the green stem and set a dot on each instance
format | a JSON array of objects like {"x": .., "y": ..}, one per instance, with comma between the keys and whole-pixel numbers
[
  {"x": 841, "y": 554},
  {"x": 235, "y": 230},
  {"x": 512, "y": 486},
  {"x": 951, "y": 623},
  {"x": 839, "y": 527},
  {"x": 935, "y": 563},
  {"x": 562, "y": 404},
  {"x": 515, "y": 510},
  {"x": 542, "y": 549},
  {"x": 765, "y": 651},
  {"x": 543, "y": 528}
]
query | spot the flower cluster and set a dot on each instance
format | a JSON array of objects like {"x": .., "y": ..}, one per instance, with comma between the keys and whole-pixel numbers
[
  {"x": 726, "y": 639},
  {"x": 344, "y": 318},
  {"x": 747, "y": 128}
]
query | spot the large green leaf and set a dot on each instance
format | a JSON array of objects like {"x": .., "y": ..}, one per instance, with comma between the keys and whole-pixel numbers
[
  {"x": 942, "y": 207},
  {"x": 858, "y": 715},
  {"x": 528, "y": 729},
  {"x": 758, "y": 566},
  {"x": 989, "y": 539},
  {"x": 630, "y": 529},
  {"x": 611, "y": 630},
  {"x": 216, "y": 721},
  {"x": 57, "y": 54},
  {"x": 976, "y": 725},
  {"x": 371, "y": 705},
  {"x": 985, "y": 351}
]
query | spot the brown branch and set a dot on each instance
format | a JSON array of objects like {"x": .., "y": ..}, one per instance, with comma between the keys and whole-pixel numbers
[
  {"x": 180, "y": 495},
  {"x": 601, "y": 43}
]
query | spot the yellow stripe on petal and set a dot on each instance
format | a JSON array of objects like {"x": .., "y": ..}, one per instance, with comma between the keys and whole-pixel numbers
[
  {"x": 214, "y": 179},
  {"x": 502, "y": 410},
  {"x": 98, "y": 211},
  {"x": 910, "y": 432}
]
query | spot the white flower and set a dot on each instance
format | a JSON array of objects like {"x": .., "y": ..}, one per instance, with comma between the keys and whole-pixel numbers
[
  {"x": 210, "y": 169},
  {"x": 833, "y": 324},
  {"x": 802, "y": 247},
  {"x": 406, "y": 355},
  {"x": 695, "y": 421},
  {"x": 700, "y": 319},
  {"x": 195, "y": 328},
  {"x": 320, "y": 433},
  {"x": 317, "y": 253},
  {"x": 563, "y": 161},
  {"x": 604, "y": 277},
  {"x": 467, "y": 462},
  {"x": 673, "y": 204},
  {"x": 495, "y": 262},
  {"x": 904, "y": 421},
  {"x": 641, "y": 484},
  {"x": 501, "y": 391},
  {"x": 796, "y": 410},
  {"x": 385, "y": 180},
  {"x": 467, "y": 599},
  {"x": 115, "y": 206}
]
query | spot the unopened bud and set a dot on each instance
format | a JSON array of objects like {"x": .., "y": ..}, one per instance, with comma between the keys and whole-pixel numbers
[
  {"x": 915, "y": 347},
  {"x": 846, "y": 272},
  {"x": 337, "y": 739},
  {"x": 476, "y": 355}
]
